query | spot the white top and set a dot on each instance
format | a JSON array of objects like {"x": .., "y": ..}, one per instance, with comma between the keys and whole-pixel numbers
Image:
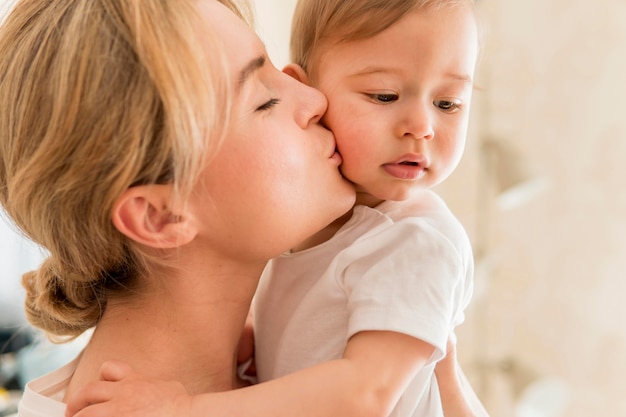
[
  {"x": 401, "y": 266},
  {"x": 43, "y": 397}
]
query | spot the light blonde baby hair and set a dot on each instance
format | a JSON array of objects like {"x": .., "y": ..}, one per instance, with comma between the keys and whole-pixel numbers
[
  {"x": 316, "y": 21},
  {"x": 97, "y": 96}
]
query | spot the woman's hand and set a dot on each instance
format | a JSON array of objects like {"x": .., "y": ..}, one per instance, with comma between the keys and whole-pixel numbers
[{"x": 123, "y": 392}]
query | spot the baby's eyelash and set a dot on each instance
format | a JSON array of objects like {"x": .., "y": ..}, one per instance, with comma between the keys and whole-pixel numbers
[
  {"x": 448, "y": 106},
  {"x": 383, "y": 97},
  {"x": 269, "y": 104}
]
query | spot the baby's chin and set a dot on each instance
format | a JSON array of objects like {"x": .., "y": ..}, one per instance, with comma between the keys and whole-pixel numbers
[{"x": 373, "y": 197}]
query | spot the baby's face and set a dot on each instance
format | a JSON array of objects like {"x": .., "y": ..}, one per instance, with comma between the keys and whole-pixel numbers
[{"x": 399, "y": 101}]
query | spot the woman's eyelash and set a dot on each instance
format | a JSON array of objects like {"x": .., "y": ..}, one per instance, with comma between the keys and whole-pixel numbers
[{"x": 269, "y": 104}]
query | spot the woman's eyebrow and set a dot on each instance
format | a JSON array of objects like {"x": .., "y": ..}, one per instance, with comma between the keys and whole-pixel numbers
[{"x": 252, "y": 66}]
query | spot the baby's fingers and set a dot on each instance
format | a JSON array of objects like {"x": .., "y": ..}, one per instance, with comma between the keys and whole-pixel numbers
[
  {"x": 98, "y": 392},
  {"x": 94, "y": 393},
  {"x": 96, "y": 410},
  {"x": 115, "y": 370}
]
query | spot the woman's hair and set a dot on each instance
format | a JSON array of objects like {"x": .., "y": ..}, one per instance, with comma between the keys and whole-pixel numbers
[
  {"x": 316, "y": 21},
  {"x": 97, "y": 96}
]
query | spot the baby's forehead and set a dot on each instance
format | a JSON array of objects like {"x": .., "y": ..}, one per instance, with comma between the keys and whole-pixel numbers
[{"x": 366, "y": 25}]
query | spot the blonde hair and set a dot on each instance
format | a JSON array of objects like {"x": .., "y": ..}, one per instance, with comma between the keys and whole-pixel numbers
[
  {"x": 97, "y": 96},
  {"x": 316, "y": 21}
]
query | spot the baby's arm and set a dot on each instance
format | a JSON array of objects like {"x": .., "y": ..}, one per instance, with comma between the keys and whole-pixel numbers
[
  {"x": 375, "y": 370},
  {"x": 457, "y": 396}
]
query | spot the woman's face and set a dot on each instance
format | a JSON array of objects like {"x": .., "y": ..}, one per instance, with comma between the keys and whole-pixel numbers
[{"x": 275, "y": 179}]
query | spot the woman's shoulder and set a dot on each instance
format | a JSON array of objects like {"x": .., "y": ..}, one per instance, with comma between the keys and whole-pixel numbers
[{"x": 43, "y": 396}]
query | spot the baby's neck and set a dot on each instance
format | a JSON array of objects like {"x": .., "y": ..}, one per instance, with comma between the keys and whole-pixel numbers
[
  {"x": 325, "y": 234},
  {"x": 362, "y": 199},
  {"x": 366, "y": 199}
]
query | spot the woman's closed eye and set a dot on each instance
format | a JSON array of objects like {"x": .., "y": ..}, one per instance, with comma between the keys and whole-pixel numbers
[{"x": 268, "y": 104}]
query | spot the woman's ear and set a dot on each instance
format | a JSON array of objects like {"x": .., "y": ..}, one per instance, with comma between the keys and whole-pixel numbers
[
  {"x": 145, "y": 214},
  {"x": 297, "y": 72}
]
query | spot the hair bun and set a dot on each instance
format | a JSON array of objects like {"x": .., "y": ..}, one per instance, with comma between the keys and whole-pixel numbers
[{"x": 63, "y": 305}]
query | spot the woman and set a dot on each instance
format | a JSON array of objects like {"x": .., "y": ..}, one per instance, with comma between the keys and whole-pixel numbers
[{"x": 160, "y": 158}]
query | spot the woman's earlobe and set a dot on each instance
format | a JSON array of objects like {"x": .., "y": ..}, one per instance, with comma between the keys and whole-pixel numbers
[
  {"x": 145, "y": 215},
  {"x": 297, "y": 72}
]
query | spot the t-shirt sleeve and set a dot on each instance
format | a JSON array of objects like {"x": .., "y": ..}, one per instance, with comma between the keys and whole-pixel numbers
[{"x": 408, "y": 278}]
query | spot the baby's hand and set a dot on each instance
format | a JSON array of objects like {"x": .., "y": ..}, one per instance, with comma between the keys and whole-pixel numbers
[{"x": 123, "y": 392}]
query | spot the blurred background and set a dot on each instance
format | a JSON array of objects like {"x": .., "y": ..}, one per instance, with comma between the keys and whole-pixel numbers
[{"x": 542, "y": 193}]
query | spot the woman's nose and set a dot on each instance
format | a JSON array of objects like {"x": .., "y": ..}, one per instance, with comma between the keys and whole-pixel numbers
[{"x": 312, "y": 105}]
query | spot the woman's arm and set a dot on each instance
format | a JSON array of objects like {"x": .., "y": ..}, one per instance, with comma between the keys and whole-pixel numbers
[{"x": 375, "y": 370}]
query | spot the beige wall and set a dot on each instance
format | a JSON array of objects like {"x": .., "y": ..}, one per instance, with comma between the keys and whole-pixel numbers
[{"x": 274, "y": 25}]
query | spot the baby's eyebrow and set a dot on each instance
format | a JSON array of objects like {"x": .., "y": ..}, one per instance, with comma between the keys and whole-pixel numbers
[
  {"x": 371, "y": 70},
  {"x": 378, "y": 69},
  {"x": 466, "y": 78},
  {"x": 254, "y": 65}
]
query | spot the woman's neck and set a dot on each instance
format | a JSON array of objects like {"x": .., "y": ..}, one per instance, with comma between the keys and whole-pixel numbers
[{"x": 187, "y": 329}]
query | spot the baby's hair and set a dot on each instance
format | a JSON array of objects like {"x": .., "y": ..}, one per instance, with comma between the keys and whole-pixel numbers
[
  {"x": 97, "y": 96},
  {"x": 316, "y": 21}
]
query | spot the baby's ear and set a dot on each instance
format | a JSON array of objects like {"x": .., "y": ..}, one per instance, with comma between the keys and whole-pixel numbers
[
  {"x": 297, "y": 72},
  {"x": 145, "y": 214}
]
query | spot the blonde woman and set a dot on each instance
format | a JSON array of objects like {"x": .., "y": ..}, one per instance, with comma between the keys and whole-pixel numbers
[{"x": 160, "y": 158}]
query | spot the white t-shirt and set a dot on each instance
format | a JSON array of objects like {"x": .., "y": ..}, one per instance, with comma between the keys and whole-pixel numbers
[
  {"x": 43, "y": 397},
  {"x": 401, "y": 266}
]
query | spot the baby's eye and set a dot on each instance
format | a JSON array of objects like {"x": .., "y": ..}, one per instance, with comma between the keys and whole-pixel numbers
[
  {"x": 384, "y": 98},
  {"x": 268, "y": 105},
  {"x": 447, "y": 106}
]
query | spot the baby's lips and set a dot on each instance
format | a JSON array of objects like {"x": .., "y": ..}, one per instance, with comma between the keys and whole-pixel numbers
[{"x": 412, "y": 159}]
